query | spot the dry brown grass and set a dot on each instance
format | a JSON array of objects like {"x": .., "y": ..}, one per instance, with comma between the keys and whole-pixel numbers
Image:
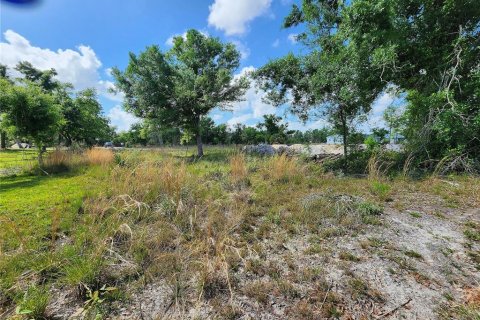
[
  {"x": 97, "y": 156},
  {"x": 238, "y": 168},
  {"x": 148, "y": 183},
  {"x": 472, "y": 296},
  {"x": 283, "y": 168},
  {"x": 58, "y": 158}
]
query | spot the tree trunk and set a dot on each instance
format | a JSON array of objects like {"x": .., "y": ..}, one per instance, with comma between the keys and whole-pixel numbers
[
  {"x": 3, "y": 140},
  {"x": 345, "y": 140},
  {"x": 199, "y": 144},
  {"x": 40, "y": 157}
]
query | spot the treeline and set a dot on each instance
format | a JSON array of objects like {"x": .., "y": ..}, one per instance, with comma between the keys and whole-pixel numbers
[
  {"x": 425, "y": 51},
  {"x": 270, "y": 130},
  {"x": 40, "y": 110}
]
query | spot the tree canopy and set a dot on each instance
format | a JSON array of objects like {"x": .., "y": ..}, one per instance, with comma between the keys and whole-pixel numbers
[
  {"x": 357, "y": 49},
  {"x": 181, "y": 86}
]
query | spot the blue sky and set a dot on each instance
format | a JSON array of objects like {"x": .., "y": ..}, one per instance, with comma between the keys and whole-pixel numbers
[{"x": 83, "y": 39}]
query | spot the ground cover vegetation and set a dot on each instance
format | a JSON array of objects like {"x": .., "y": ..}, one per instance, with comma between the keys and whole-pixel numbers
[
  {"x": 162, "y": 234},
  {"x": 177, "y": 233}
]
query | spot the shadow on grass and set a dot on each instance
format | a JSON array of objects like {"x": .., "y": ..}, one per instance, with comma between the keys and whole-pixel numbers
[
  {"x": 14, "y": 182},
  {"x": 31, "y": 180}
]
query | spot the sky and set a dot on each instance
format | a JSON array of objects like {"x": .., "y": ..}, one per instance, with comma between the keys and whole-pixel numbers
[{"x": 83, "y": 39}]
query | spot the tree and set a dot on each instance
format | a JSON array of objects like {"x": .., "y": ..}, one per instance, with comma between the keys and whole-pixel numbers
[
  {"x": 275, "y": 132},
  {"x": 430, "y": 50},
  {"x": 30, "y": 112},
  {"x": 84, "y": 121},
  {"x": 45, "y": 79},
  {"x": 380, "y": 134},
  {"x": 393, "y": 119},
  {"x": 331, "y": 80},
  {"x": 238, "y": 129},
  {"x": 181, "y": 86},
  {"x": 3, "y": 133}
]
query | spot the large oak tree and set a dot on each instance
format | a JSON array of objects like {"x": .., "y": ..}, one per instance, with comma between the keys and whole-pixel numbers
[{"x": 181, "y": 86}]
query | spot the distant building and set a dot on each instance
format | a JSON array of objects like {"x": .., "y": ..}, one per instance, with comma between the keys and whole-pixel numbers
[{"x": 335, "y": 139}]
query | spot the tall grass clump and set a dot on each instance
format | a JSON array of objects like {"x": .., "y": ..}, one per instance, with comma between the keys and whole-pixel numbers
[
  {"x": 238, "y": 168},
  {"x": 58, "y": 160},
  {"x": 98, "y": 156},
  {"x": 283, "y": 169},
  {"x": 62, "y": 160},
  {"x": 148, "y": 182}
]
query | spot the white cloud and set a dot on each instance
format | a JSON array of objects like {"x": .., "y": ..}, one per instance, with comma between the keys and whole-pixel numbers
[
  {"x": 239, "y": 119},
  {"x": 310, "y": 125},
  {"x": 292, "y": 37},
  {"x": 121, "y": 119},
  {"x": 80, "y": 67},
  {"x": 233, "y": 16},
  {"x": 252, "y": 108},
  {"x": 276, "y": 43},
  {"x": 375, "y": 118},
  {"x": 216, "y": 117}
]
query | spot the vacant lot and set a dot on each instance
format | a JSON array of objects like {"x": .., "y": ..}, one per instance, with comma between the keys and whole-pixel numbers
[{"x": 159, "y": 234}]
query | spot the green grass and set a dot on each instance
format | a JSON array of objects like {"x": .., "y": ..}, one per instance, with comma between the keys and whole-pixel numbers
[
  {"x": 17, "y": 159},
  {"x": 33, "y": 211},
  {"x": 62, "y": 228}
]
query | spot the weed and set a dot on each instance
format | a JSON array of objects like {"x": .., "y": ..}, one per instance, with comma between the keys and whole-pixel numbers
[
  {"x": 369, "y": 209},
  {"x": 472, "y": 231},
  {"x": 287, "y": 289},
  {"x": 94, "y": 300},
  {"x": 345, "y": 255},
  {"x": 34, "y": 302},
  {"x": 360, "y": 289},
  {"x": 255, "y": 266},
  {"x": 415, "y": 214},
  {"x": 258, "y": 290},
  {"x": 381, "y": 190},
  {"x": 413, "y": 254}
]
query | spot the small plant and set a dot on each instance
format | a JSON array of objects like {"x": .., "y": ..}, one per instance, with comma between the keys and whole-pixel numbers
[
  {"x": 259, "y": 290},
  {"x": 381, "y": 190},
  {"x": 283, "y": 168},
  {"x": 345, "y": 255},
  {"x": 373, "y": 243},
  {"x": 416, "y": 214},
  {"x": 369, "y": 209},
  {"x": 34, "y": 303},
  {"x": 95, "y": 298},
  {"x": 413, "y": 254}
]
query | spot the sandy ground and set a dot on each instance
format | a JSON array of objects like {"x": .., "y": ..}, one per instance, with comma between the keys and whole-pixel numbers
[{"x": 409, "y": 287}]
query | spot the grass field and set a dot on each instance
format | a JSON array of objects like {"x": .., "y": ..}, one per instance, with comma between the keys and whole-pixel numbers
[
  {"x": 230, "y": 236},
  {"x": 15, "y": 161}
]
